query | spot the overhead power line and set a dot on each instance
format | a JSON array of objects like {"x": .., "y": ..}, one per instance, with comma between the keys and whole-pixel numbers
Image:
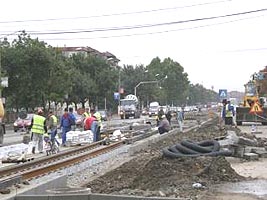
[
  {"x": 146, "y": 25},
  {"x": 152, "y": 33},
  {"x": 114, "y": 14},
  {"x": 8, "y": 34}
]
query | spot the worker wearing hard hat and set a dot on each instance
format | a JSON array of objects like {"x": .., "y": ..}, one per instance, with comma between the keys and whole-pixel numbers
[{"x": 38, "y": 129}]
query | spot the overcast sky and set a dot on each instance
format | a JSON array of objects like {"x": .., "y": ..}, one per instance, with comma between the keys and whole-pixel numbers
[{"x": 219, "y": 43}]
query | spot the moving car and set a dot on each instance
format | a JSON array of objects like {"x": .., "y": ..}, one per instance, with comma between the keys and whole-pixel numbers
[
  {"x": 153, "y": 109},
  {"x": 23, "y": 124}
]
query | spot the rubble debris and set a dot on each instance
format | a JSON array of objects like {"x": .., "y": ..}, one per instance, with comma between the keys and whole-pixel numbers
[
  {"x": 149, "y": 171},
  {"x": 16, "y": 157},
  {"x": 5, "y": 191}
]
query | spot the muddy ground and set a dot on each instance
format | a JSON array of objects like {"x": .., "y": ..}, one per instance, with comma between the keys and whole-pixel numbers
[{"x": 150, "y": 173}]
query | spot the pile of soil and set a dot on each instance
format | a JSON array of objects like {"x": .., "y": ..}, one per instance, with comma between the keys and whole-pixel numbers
[{"x": 149, "y": 173}]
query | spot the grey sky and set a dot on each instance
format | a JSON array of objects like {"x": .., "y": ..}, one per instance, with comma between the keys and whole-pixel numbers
[{"x": 222, "y": 52}]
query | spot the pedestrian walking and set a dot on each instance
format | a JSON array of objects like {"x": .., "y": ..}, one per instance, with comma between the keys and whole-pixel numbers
[
  {"x": 180, "y": 119},
  {"x": 38, "y": 129}
]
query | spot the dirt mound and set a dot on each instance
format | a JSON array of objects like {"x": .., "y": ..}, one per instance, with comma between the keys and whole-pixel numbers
[
  {"x": 173, "y": 177},
  {"x": 149, "y": 173}
]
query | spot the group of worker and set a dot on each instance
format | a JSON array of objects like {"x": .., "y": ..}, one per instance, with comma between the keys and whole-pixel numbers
[
  {"x": 93, "y": 122},
  {"x": 164, "y": 120},
  {"x": 42, "y": 126}
]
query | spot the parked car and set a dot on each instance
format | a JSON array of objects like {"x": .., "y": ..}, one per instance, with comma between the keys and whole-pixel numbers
[
  {"x": 104, "y": 115},
  {"x": 23, "y": 124}
]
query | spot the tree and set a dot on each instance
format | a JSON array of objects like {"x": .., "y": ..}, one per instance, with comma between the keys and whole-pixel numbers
[
  {"x": 27, "y": 63},
  {"x": 59, "y": 82},
  {"x": 39, "y": 75},
  {"x": 173, "y": 81}
]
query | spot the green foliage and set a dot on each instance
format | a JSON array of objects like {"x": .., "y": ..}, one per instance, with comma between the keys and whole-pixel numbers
[
  {"x": 173, "y": 81},
  {"x": 39, "y": 75}
]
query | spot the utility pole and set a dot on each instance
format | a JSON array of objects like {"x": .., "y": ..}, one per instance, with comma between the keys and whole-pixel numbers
[
  {"x": 119, "y": 87},
  {"x": 0, "y": 69}
]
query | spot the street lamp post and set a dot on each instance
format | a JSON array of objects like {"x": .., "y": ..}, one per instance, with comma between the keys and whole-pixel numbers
[
  {"x": 146, "y": 82},
  {"x": 143, "y": 82}
]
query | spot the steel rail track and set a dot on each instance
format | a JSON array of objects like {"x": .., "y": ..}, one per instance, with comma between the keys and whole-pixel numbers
[
  {"x": 47, "y": 159},
  {"x": 69, "y": 161},
  {"x": 47, "y": 164}
]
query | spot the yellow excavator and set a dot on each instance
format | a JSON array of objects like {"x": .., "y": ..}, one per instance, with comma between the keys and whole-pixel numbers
[{"x": 243, "y": 112}]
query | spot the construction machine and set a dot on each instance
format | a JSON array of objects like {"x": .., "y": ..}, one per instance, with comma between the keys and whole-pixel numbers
[{"x": 252, "y": 108}]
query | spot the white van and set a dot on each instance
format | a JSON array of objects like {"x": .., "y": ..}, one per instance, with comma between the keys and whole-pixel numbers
[{"x": 153, "y": 108}]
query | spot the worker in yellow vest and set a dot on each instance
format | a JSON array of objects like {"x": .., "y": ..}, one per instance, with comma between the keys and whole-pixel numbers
[
  {"x": 100, "y": 125},
  {"x": 38, "y": 129},
  {"x": 86, "y": 113},
  {"x": 229, "y": 113},
  {"x": 52, "y": 123}
]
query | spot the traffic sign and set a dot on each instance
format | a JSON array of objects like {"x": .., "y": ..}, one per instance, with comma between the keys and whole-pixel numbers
[
  {"x": 116, "y": 95},
  {"x": 223, "y": 93},
  {"x": 4, "y": 81},
  {"x": 255, "y": 108}
]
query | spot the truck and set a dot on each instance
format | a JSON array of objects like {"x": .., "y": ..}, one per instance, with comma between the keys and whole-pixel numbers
[
  {"x": 245, "y": 112},
  {"x": 129, "y": 107},
  {"x": 153, "y": 108}
]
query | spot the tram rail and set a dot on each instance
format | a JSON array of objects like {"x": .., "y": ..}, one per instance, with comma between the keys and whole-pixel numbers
[{"x": 78, "y": 154}]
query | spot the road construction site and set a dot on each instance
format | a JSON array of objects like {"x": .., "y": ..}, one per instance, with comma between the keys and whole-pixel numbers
[{"x": 138, "y": 168}]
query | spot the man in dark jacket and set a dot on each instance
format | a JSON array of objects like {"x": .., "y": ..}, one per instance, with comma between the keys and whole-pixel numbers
[
  {"x": 65, "y": 124},
  {"x": 73, "y": 118},
  {"x": 169, "y": 116}
]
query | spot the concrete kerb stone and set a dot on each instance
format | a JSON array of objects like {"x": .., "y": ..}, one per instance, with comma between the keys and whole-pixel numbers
[
  {"x": 126, "y": 197},
  {"x": 91, "y": 197},
  {"x": 54, "y": 197}
]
